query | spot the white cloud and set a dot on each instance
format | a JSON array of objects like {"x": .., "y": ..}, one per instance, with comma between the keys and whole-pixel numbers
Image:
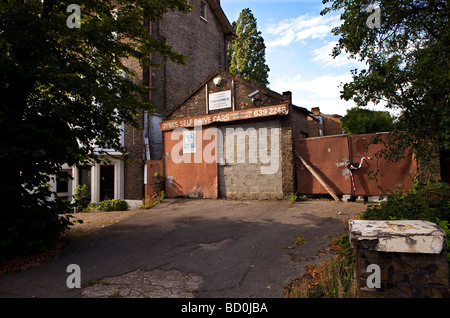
[
  {"x": 308, "y": 70},
  {"x": 322, "y": 91},
  {"x": 323, "y": 56},
  {"x": 325, "y": 86},
  {"x": 304, "y": 27}
]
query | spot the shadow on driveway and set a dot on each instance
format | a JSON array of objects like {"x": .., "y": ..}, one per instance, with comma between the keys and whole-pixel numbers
[{"x": 192, "y": 248}]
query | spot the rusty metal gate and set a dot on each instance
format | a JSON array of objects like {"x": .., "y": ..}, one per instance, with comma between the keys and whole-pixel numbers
[{"x": 343, "y": 162}]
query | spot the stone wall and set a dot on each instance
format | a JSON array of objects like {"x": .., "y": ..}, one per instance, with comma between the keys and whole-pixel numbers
[{"x": 400, "y": 259}]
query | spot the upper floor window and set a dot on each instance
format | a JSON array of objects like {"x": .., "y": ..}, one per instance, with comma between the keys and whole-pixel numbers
[{"x": 203, "y": 10}]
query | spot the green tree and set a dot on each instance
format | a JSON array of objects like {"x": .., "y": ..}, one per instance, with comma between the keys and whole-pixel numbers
[
  {"x": 364, "y": 121},
  {"x": 63, "y": 92},
  {"x": 247, "y": 54},
  {"x": 406, "y": 50}
]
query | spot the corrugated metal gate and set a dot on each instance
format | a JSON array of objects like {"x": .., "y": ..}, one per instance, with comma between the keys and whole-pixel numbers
[
  {"x": 332, "y": 157},
  {"x": 191, "y": 172}
]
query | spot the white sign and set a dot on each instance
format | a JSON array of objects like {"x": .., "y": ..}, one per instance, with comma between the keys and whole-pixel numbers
[
  {"x": 189, "y": 139},
  {"x": 220, "y": 100}
]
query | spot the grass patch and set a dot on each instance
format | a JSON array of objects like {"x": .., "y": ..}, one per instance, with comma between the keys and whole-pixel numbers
[
  {"x": 157, "y": 198},
  {"x": 107, "y": 206},
  {"x": 294, "y": 198},
  {"x": 333, "y": 279},
  {"x": 300, "y": 240}
]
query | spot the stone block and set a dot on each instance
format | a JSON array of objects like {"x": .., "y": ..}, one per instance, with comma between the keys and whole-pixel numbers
[
  {"x": 399, "y": 236},
  {"x": 412, "y": 257},
  {"x": 346, "y": 198}
]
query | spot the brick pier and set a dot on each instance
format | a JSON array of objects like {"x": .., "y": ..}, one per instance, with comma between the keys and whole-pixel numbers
[{"x": 411, "y": 257}]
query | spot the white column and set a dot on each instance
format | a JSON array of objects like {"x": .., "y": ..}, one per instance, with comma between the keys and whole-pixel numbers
[
  {"x": 118, "y": 179},
  {"x": 75, "y": 181},
  {"x": 95, "y": 183}
]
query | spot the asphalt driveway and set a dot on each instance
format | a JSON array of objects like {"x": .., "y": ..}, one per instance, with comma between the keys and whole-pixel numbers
[{"x": 192, "y": 248}]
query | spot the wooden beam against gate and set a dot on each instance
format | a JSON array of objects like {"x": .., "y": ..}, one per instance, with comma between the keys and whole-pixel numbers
[{"x": 323, "y": 183}]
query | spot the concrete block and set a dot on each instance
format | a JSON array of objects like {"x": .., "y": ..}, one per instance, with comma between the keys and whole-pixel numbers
[
  {"x": 360, "y": 199},
  {"x": 346, "y": 198},
  {"x": 375, "y": 198},
  {"x": 398, "y": 236},
  {"x": 254, "y": 189}
]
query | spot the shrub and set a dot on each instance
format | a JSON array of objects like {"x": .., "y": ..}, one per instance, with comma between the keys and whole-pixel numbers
[
  {"x": 107, "y": 206},
  {"x": 30, "y": 225},
  {"x": 158, "y": 182},
  {"x": 428, "y": 202},
  {"x": 80, "y": 198}
]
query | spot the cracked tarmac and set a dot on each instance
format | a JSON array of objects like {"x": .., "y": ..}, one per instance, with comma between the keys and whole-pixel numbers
[
  {"x": 145, "y": 284},
  {"x": 192, "y": 248}
]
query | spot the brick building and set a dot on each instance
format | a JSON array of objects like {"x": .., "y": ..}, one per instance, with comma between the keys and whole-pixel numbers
[
  {"x": 324, "y": 125},
  {"x": 201, "y": 35},
  {"x": 233, "y": 139}
]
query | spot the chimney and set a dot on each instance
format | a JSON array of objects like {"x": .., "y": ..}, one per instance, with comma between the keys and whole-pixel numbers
[{"x": 287, "y": 98}]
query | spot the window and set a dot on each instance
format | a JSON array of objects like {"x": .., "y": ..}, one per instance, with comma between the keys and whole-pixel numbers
[
  {"x": 203, "y": 10},
  {"x": 62, "y": 185},
  {"x": 303, "y": 135},
  {"x": 84, "y": 178}
]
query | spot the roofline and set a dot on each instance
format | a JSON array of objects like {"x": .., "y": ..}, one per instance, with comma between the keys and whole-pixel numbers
[
  {"x": 265, "y": 90},
  {"x": 227, "y": 28}
]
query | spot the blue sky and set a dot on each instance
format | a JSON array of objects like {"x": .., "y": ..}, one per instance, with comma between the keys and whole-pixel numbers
[{"x": 299, "y": 43}]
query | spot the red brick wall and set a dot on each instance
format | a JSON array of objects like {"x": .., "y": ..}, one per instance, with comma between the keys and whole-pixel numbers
[
  {"x": 134, "y": 166},
  {"x": 203, "y": 42},
  {"x": 195, "y": 105},
  {"x": 300, "y": 126},
  {"x": 331, "y": 124}
]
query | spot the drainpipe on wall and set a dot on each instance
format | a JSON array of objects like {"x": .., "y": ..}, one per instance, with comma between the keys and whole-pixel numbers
[
  {"x": 147, "y": 155},
  {"x": 146, "y": 137}
]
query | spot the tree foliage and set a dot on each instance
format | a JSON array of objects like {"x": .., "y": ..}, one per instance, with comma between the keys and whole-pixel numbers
[
  {"x": 63, "y": 93},
  {"x": 408, "y": 68},
  {"x": 364, "y": 121},
  {"x": 247, "y": 54}
]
